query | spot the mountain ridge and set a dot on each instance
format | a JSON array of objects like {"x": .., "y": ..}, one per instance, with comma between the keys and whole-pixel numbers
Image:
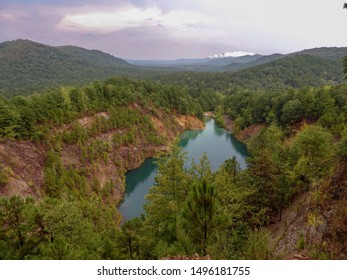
[{"x": 27, "y": 67}]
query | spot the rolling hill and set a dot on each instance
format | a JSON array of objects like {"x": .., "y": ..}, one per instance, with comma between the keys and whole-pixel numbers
[
  {"x": 316, "y": 67},
  {"x": 28, "y": 66}
]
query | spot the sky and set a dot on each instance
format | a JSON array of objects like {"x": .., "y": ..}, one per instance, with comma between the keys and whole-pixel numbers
[{"x": 158, "y": 29}]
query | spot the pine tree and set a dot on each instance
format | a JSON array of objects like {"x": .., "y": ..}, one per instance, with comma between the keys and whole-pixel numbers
[
  {"x": 166, "y": 198},
  {"x": 202, "y": 215}
]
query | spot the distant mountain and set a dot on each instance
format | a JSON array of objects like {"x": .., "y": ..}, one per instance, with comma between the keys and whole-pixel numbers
[
  {"x": 27, "y": 66},
  {"x": 203, "y": 64},
  {"x": 95, "y": 57},
  {"x": 328, "y": 53},
  {"x": 225, "y": 62},
  {"x": 257, "y": 61},
  {"x": 316, "y": 67},
  {"x": 232, "y": 54},
  {"x": 294, "y": 70}
]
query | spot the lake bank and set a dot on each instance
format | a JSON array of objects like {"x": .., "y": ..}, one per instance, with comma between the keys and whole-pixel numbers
[{"x": 213, "y": 140}]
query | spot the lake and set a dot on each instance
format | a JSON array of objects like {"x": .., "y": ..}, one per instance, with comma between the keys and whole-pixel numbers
[{"x": 216, "y": 142}]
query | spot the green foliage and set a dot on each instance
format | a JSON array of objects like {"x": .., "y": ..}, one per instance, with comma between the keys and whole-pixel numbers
[
  {"x": 218, "y": 117},
  {"x": 342, "y": 148},
  {"x": 258, "y": 246},
  {"x": 28, "y": 66},
  {"x": 9, "y": 121},
  {"x": 54, "y": 228},
  {"x": 32, "y": 117},
  {"x": 166, "y": 198},
  {"x": 128, "y": 239},
  {"x": 316, "y": 67},
  {"x": 312, "y": 153},
  {"x": 20, "y": 235},
  {"x": 3, "y": 176},
  {"x": 201, "y": 215},
  {"x": 190, "y": 210},
  {"x": 326, "y": 105},
  {"x": 300, "y": 244}
]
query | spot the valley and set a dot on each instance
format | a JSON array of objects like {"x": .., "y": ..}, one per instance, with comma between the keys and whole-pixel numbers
[{"x": 75, "y": 126}]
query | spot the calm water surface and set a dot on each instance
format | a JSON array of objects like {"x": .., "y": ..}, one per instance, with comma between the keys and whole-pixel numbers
[{"x": 218, "y": 144}]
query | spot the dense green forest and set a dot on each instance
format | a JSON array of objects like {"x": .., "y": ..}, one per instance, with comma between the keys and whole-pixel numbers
[
  {"x": 74, "y": 217},
  {"x": 27, "y": 67},
  {"x": 30, "y": 117},
  {"x": 224, "y": 214},
  {"x": 289, "y": 72}
]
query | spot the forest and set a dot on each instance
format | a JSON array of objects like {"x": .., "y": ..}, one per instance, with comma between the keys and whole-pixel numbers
[{"x": 225, "y": 214}]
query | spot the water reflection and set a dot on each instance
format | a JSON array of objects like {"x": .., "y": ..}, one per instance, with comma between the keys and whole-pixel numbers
[
  {"x": 218, "y": 130},
  {"x": 139, "y": 175},
  {"x": 218, "y": 144},
  {"x": 188, "y": 136}
]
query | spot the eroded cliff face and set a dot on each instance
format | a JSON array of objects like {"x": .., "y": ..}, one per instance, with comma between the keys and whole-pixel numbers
[
  {"x": 296, "y": 236},
  {"x": 23, "y": 162}
]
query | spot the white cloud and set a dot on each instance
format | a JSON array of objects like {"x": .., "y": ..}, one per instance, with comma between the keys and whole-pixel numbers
[
  {"x": 105, "y": 21},
  {"x": 231, "y": 54},
  {"x": 129, "y": 17},
  {"x": 4, "y": 15},
  {"x": 179, "y": 28}
]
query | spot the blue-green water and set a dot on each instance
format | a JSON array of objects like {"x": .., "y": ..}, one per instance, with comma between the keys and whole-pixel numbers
[{"x": 217, "y": 143}]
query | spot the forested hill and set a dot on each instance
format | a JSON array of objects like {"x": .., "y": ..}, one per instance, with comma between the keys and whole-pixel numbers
[
  {"x": 28, "y": 66},
  {"x": 292, "y": 71},
  {"x": 332, "y": 53}
]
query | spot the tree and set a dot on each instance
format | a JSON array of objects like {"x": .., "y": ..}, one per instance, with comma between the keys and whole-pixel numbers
[
  {"x": 9, "y": 120},
  {"x": 264, "y": 175},
  {"x": 3, "y": 176},
  {"x": 166, "y": 198},
  {"x": 20, "y": 233},
  {"x": 128, "y": 239},
  {"x": 292, "y": 112},
  {"x": 312, "y": 151},
  {"x": 202, "y": 214},
  {"x": 258, "y": 245},
  {"x": 203, "y": 169}
]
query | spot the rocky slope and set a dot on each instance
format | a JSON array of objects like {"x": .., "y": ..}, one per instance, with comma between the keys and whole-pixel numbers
[{"x": 24, "y": 161}]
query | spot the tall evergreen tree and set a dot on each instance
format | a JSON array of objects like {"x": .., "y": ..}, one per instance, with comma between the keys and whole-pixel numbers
[
  {"x": 166, "y": 198},
  {"x": 202, "y": 214}
]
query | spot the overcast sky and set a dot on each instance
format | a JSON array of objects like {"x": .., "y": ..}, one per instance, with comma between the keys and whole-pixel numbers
[{"x": 158, "y": 29}]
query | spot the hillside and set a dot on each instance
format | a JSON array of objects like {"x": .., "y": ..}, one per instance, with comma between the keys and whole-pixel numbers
[
  {"x": 292, "y": 71},
  {"x": 273, "y": 73},
  {"x": 333, "y": 52},
  {"x": 64, "y": 153},
  {"x": 203, "y": 64},
  {"x": 260, "y": 60},
  {"x": 28, "y": 66}
]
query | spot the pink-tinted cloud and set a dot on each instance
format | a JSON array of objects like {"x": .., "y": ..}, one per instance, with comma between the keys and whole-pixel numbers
[{"x": 180, "y": 28}]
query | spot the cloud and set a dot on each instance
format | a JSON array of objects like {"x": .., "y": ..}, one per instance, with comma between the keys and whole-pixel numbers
[
  {"x": 104, "y": 21},
  {"x": 180, "y": 28},
  {"x": 232, "y": 54},
  {"x": 131, "y": 17},
  {"x": 6, "y": 16}
]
